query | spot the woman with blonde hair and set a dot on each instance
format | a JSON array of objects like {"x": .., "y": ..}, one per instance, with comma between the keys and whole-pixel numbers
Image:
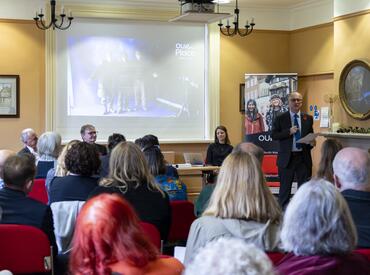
[
  {"x": 129, "y": 176},
  {"x": 241, "y": 206}
]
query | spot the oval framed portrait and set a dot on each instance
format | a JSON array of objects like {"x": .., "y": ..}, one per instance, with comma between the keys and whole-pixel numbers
[{"x": 354, "y": 89}]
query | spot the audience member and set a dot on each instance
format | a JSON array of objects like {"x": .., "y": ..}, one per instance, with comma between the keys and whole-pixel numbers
[
  {"x": 68, "y": 193},
  {"x": 220, "y": 149},
  {"x": 108, "y": 240},
  {"x": 89, "y": 135},
  {"x": 48, "y": 147},
  {"x": 59, "y": 169},
  {"x": 149, "y": 141},
  {"x": 352, "y": 177},
  {"x": 241, "y": 206},
  {"x": 29, "y": 140},
  {"x": 329, "y": 149},
  {"x": 230, "y": 256},
  {"x": 203, "y": 198},
  {"x": 113, "y": 140},
  {"x": 129, "y": 176},
  {"x": 319, "y": 234},
  {"x": 175, "y": 189},
  {"x": 4, "y": 155},
  {"x": 18, "y": 174}
]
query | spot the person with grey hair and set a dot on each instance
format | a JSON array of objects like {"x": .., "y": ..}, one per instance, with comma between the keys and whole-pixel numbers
[
  {"x": 48, "y": 147},
  {"x": 89, "y": 135},
  {"x": 230, "y": 256},
  {"x": 29, "y": 140},
  {"x": 319, "y": 234},
  {"x": 351, "y": 168}
]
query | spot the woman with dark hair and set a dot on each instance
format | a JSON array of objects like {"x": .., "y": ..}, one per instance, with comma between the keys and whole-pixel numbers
[
  {"x": 129, "y": 176},
  {"x": 175, "y": 189},
  {"x": 108, "y": 240},
  {"x": 329, "y": 149},
  {"x": 68, "y": 193},
  {"x": 113, "y": 140},
  {"x": 253, "y": 120},
  {"x": 220, "y": 149}
]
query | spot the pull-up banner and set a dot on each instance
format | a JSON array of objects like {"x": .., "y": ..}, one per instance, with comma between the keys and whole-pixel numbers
[{"x": 265, "y": 97}]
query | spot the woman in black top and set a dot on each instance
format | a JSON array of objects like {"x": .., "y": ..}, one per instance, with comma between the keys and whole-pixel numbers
[
  {"x": 129, "y": 176},
  {"x": 220, "y": 149}
]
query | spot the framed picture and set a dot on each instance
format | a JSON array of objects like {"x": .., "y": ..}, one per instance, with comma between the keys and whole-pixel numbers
[
  {"x": 354, "y": 89},
  {"x": 9, "y": 96},
  {"x": 242, "y": 98}
]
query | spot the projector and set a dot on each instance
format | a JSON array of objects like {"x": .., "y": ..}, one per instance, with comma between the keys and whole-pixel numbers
[{"x": 197, "y": 6}]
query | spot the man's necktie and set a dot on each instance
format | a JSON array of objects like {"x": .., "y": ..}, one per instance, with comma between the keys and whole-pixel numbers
[{"x": 297, "y": 134}]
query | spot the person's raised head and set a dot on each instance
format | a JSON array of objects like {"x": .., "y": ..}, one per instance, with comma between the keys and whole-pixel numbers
[
  {"x": 82, "y": 159},
  {"x": 352, "y": 169},
  {"x": 221, "y": 135},
  {"x": 295, "y": 102},
  {"x": 317, "y": 221},
  {"x": 19, "y": 172},
  {"x": 61, "y": 170},
  {"x": 114, "y": 139},
  {"x": 155, "y": 159},
  {"x": 249, "y": 147},
  {"x": 108, "y": 231},
  {"x": 241, "y": 191},
  {"x": 29, "y": 138},
  {"x": 49, "y": 144},
  {"x": 329, "y": 149},
  {"x": 4, "y": 155},
  {"x": 88, "y": 133}
]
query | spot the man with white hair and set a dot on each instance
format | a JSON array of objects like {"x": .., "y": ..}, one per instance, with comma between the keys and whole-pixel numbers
[
  {"x": 351, "y": 175},
  {"x": 29, "y": 140},
  {"x": 4, "y": 154}
]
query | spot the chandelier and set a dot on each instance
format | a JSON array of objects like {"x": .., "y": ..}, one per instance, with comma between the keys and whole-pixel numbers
[
  {"x": 61, "y": 24},
  {"x": 248, "y": 28}
]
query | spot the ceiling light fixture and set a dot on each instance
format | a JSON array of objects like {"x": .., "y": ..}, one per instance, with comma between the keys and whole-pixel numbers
[
  {"x": 248, "y": 28},
  {"x": 40, "y": 23}
]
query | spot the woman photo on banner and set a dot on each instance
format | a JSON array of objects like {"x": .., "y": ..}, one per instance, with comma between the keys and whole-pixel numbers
[{"x": 253, "y": 119}]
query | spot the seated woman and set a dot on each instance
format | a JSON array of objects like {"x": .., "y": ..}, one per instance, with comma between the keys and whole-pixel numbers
[
  {"x": 329, "y": 149},
  {"x": 319, "y": 234},
  {"x": 129, "y": 177},
  {"x": 48, "y": 147},
  {"x": 108, "y": 240},
  {"x": 241, "y": 206},
  {"x": 175, "y": 189},
  {"x": 68, "y": 193},
  {"x": 220, "y": 149}
]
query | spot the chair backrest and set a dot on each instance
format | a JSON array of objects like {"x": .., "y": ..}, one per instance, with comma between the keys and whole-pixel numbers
[
  {"x": 24, "y": 249},
  {"x": 153, "y": 233},
  {"x": 182, "y": 218},
  {"x": 269, "y": 166},
  {"x": 38, "y": 191},
  {"x": 275, "y": 257},
  {"x": 363, "y": 251}
]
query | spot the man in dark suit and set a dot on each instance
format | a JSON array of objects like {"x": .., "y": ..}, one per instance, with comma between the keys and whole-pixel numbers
[
  {"x": 29, "y": 140},
  {"x": 18, "y": 174},
  {"x": 294, "y": 159},
  {"x": 89, "y": 134}
]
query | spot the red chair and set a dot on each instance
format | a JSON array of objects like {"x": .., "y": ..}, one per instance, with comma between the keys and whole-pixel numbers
[
  {"x": 152, "y": 232},
  {"x": 38, "y": 191},
  {"x": 363, "y": 251},
  {"x": 269, "y": 166},
  {"x": 24, "y": 249},
  {"x": 275, "y": 257},
  {"x": 182, "y": 218}
]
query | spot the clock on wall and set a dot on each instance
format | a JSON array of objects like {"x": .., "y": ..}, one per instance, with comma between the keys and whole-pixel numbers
[{"x": 354, "y": 89}]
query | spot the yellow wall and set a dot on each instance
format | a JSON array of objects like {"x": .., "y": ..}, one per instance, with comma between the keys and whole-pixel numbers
[
  {"x": 351, "y": 41},
  {"x": 22, "y": 52}
]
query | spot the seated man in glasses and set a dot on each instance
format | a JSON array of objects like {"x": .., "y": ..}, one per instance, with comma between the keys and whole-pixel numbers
[{"x": 89, "y": 134}]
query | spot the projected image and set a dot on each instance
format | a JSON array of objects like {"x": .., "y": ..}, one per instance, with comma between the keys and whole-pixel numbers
[{"x": 123, "y": 76}]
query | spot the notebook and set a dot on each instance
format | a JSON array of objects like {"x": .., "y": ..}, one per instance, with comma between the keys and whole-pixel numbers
[{"x": 195, "y": 159}]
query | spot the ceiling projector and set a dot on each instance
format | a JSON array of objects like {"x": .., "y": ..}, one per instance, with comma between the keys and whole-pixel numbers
[{"x": 197, "y": 6}]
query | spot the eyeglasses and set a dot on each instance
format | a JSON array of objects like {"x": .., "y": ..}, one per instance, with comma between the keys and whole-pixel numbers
[{"x": 295, "y": 99}]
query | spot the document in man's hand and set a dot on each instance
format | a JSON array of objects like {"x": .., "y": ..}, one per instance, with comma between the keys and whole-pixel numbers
[{"x": 308, "y": 139}]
